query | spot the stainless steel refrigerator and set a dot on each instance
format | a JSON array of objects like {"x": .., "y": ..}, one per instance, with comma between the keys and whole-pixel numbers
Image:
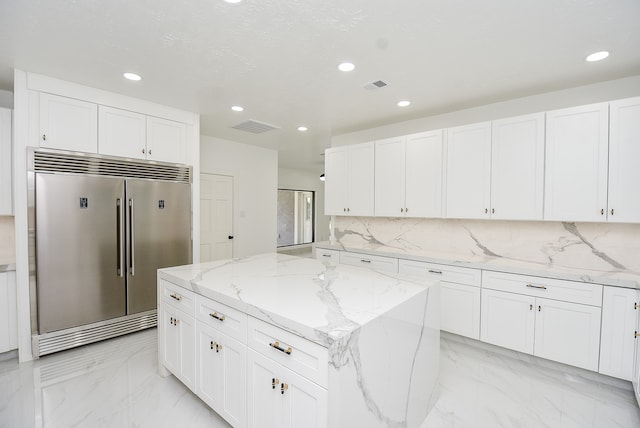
[{"x": 99, "y": 240}]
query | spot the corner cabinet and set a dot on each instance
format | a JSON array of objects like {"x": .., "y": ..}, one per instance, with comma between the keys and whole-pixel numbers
[
  {"x": 409, "y": 175},
  {"x": 6, "y": 162},
  {"x": 576, "y": 163},
  {"x": 68, "y": 124},
  {"x": 620, "y": 309},
  {"x": 349, "y": 180}
]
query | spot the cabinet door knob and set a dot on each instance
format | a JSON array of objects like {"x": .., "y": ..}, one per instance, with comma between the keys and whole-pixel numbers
[
  {"x": 493, "y": 210},
  {"x": 531, "y": 307},
  {"x": 274, "y": 382},
  {"x": 602, "y": 211},
  {"x": 611, "y": 211},
  {"x": 44, "y": 137},
  {"x": 401, "y": 210},
  {"x": 406, "y": 210},
  {"x": 486, "y": 210},
  {"x": 142, "y": 151},
  {"x": 539, "y": 308},
  {"x": 149, "y": 151},
  {"x": 283, "y": 388}
]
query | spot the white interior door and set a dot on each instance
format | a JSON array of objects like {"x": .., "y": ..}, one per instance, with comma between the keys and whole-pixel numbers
[{"x": 216, "y": 217}]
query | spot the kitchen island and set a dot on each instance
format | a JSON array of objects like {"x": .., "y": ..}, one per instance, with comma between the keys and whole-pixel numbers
[{"x": 281, "y": 341}]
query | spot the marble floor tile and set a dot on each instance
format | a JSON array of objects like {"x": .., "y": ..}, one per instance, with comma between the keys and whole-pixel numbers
[{"x": 115, "y": 384}]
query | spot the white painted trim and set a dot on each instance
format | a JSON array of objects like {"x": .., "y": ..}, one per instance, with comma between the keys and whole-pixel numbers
[
  {"x": 38, "y": 82},
  {"x": 21, "y": 141}
]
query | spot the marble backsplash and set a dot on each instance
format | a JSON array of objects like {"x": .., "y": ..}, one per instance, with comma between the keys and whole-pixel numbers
[
  {"x": 590, "y": 247},
  {"x": 7, "y": 241}
]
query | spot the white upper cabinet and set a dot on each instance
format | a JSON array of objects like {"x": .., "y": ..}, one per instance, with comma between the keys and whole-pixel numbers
[
  {"x": 468, "y": 183},
  {"x": 335, "y": 182},
  {"x": 576, "y": 163},
  {"x": 6, "y": 163},
  {"x": 166, "y": 140},
  {"x": 624, "y": 154},
  {"x": 390, "y": 160},
  {"x": 349, "y": 180},
  {"x": 517, "y": 167},
  {"x": 134, "y": 135},
  {"x": 122, "y": 133},
  {"x": 408, "y": 175},
  {"x": 424, "y": 174},
  {"x": 68, "y": 124}
]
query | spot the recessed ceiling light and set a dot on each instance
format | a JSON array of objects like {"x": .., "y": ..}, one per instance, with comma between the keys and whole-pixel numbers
[
  {"x": 237, "y": 108},
  {"x": 403, "y": 103},
  {"x": 302, "y": 128},
  {"x": 346, "y": 66},
  {"x": 132, "y": 76},
  {"x": 597, "y": 56},
  {"x": 233, "y": 1}
]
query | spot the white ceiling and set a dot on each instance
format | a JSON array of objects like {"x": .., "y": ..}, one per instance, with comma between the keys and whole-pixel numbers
[{"x": 279, "y": 58}]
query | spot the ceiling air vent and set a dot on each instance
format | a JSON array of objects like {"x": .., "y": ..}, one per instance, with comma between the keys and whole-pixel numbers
[
  {"x": 254, "y": 127},
  {"x": 375, "y": 85}
]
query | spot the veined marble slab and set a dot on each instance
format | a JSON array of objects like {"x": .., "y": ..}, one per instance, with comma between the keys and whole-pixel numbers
[
  {"x": 319, "y": 301},
  {"x": 381, "y": 331},
  {"x": 601, "y": 253}
]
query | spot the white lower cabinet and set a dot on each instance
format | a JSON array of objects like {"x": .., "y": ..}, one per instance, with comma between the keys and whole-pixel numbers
[
  {"x": 8, "y": 312},
  {"x": 568, "y": 333},
  {"x": 459, "y": 295},
  {"x": 179, "y": 334},
  {"x": 508, "y": 320},
  {"x": 279, "y": 397},
  {"x": 563, "y": 331},
  {"x": 222, "y": 374},
  {"x": 619, "y": 325}
]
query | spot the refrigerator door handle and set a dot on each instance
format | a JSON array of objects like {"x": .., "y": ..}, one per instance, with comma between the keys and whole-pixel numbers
[
  {"x": 132, "y": 235},
  {"x": 119, "y": 236}
]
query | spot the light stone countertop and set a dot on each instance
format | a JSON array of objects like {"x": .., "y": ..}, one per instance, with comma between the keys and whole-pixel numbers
[
  {"x": 7, "y": 267},
  {"x": 317, "y": 300},
  {"x": 500, "y": 264}
]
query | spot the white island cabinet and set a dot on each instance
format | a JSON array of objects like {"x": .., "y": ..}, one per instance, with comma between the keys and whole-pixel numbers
[{"x": 282, "y": 341}]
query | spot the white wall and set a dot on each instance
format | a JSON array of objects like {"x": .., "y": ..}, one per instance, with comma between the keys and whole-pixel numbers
[
  {"x": 255, "y": 174},
  {"x": 296, "y": 179},
  {"x": 598, "y": 92}
]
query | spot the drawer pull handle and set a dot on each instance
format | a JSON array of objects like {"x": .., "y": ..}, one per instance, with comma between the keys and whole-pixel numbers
[
  {"x": 541, "y": 287},
  {"x": 636, "y": 306},
  {"x": 276, "y": 345},
  {"x": 274, "y": 382},
  {"x": 365, "y": 261},
  {"x": 439, "y": 272},
  {"x": 176, "y": 297},
  {"x": 216, "y": 345},
  {"x": 283, "y": 388},
  {"x": 218, "y": 317},
  {"x": 326, "y": 255},
  {"x": 636, "y": 334}
]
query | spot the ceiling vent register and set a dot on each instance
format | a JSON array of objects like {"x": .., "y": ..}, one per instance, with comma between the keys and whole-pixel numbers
[
  {"x": 375, "y": 85},
  {"x": 78, "y": 163},
  {"x": 254, "y": 127}
]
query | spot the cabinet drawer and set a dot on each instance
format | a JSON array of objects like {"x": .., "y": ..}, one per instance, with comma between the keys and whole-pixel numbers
[
  {"x": 179, "y": 297},
  {"x": 382, "y": 264},
  {"x": 305, "y": 358},
  {"x": 556, "y": 289},
  {"x": 331, "y": 255},
  {"x": 223, "y": 318},
  {"x": 457, "y": 275}
]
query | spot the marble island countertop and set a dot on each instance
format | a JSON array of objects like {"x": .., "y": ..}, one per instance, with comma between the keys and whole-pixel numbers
[
  {"x": 612, "y": 276},
  {"x": 318, "y": 301}
]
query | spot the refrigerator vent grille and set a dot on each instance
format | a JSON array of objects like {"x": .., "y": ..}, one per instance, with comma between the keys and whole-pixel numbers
[{"x": 96, "y": 165}]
